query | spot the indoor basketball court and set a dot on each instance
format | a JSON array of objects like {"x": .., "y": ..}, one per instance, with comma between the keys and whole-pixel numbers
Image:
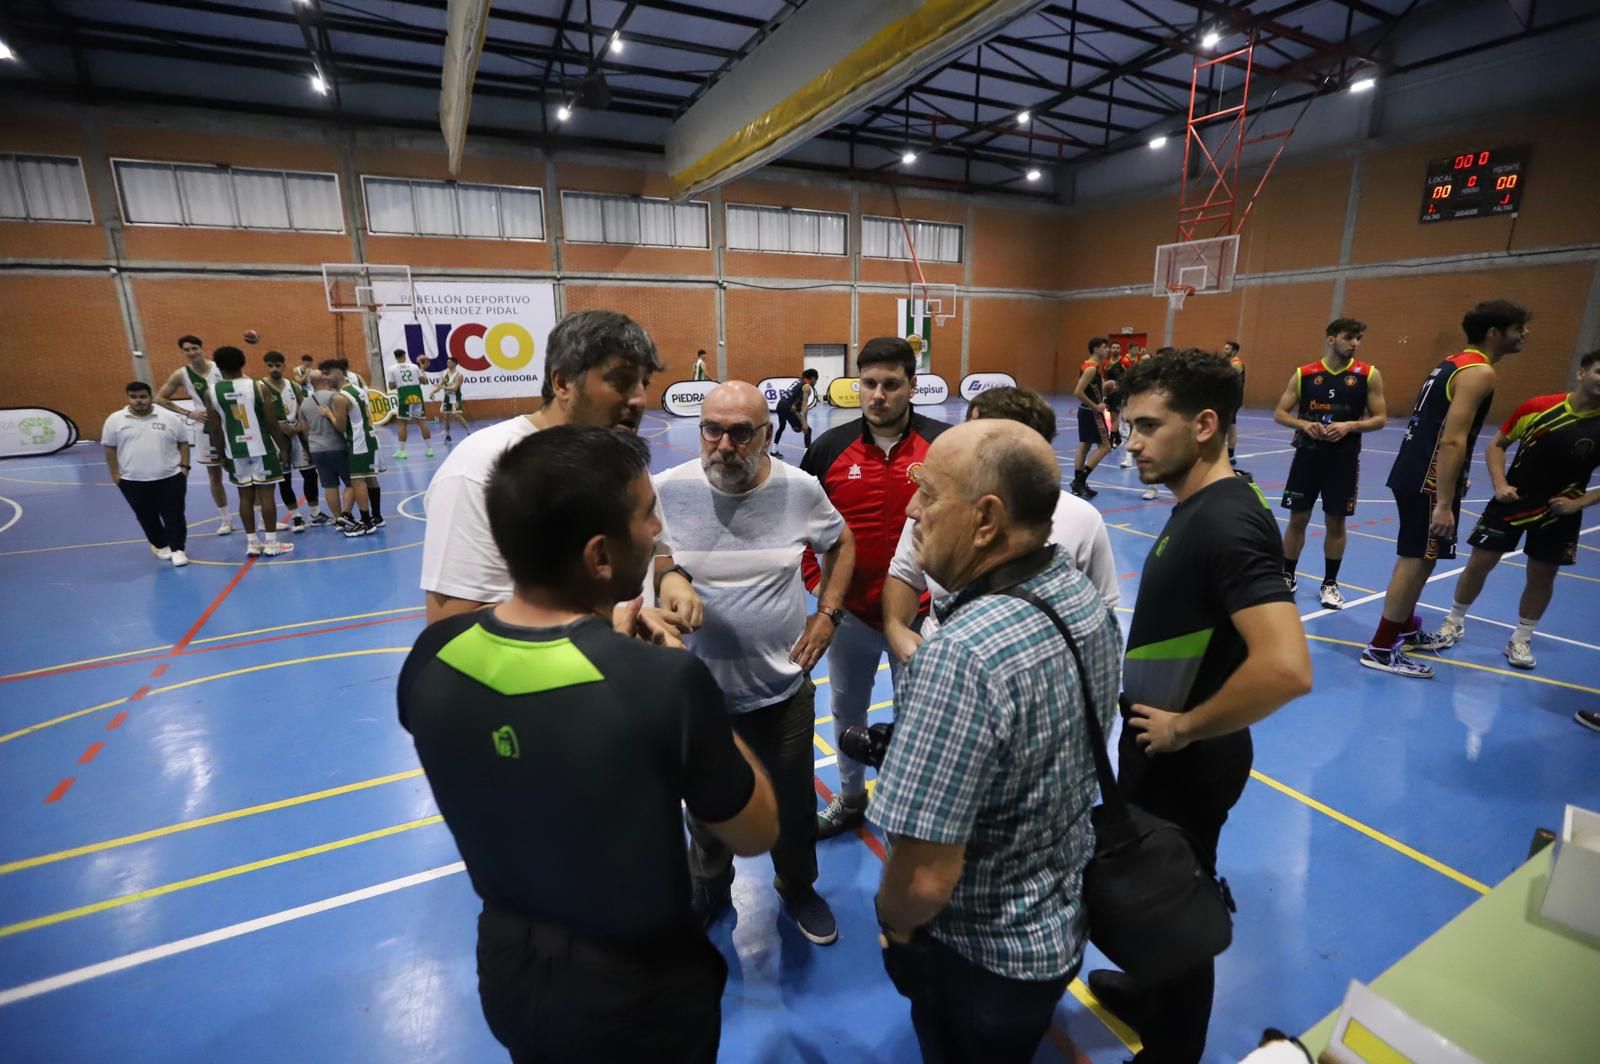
[{"x": 219, "y": 843}]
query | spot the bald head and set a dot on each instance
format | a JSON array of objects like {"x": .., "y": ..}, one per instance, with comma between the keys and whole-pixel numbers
[
  {"x": 735, "y": 400},
  {"x": 1008, "y": 460}
]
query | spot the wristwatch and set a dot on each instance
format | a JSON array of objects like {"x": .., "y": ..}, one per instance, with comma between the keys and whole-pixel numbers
[
  {"x": 836, "y": 616},
  {"x": 680, "y": 570}
]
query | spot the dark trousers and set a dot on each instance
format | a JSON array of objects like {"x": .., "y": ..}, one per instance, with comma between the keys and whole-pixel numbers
[
  {"x": 308, "y": 477},
  {"x": 158, "y": 505},
  {"x": 552, "y": 997},
  {"x": 962, "y": 1012},
  {"x": 1194, "y": 789},
  {"x": 780, "y": 736}
]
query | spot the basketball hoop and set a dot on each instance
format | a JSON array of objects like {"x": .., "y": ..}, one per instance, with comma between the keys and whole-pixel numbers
[
  {"x": 937, "y": 301},
  {"x": 1177, "y": 293}
]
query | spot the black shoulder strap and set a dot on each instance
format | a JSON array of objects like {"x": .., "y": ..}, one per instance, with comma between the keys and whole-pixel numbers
[{"x": 1110, "y": 795}]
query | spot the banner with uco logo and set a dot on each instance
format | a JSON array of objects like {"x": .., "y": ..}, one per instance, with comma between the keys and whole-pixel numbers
[
  {"x": 33, "y": 431},
  {"x": 495, "y": 330},
  {"x": 916, "y": 328}
]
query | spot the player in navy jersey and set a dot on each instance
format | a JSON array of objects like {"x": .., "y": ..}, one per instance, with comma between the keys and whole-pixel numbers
[
  {"x": 794, "y": 409},
  {"x": 1329, "y": 403},
  {"x": 1429, "y": 477},
  {"x": 1092, "y": 431},
  {"x": 1558, "y": 447}
]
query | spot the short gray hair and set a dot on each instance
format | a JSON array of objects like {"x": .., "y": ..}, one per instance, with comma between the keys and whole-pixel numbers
[
  {"x": 582, "y": 341},
  {"x": 1028, "y": 483}
]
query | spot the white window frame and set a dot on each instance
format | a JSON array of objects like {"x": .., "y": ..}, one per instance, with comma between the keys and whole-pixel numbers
[
  {"x": 544, "y": 218},
  {"x": 12, "y": 156},
  {"x": 959, "y": 226},
  {"x": 792, "y": 210},
  {"x": 637, "y": 199},
  {"x": 122, "y": 206}
]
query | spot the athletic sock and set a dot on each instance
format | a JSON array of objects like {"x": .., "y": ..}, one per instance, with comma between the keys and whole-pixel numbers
[
  {"x": 1387, "y": 635},
  {"x": 272, "y": 537},
  {"x": 375, "y": 496},
  {"x": 1289, "y": 566},
  {"x": 1413, "y": 625},
  {"x": 366, "y": 518},
  {"x": 1331, "y": 571},
  {"x": 222, "y": 512},
  {"x": 1524, "y": 628},
  {"x": 1458, "y": 613}
]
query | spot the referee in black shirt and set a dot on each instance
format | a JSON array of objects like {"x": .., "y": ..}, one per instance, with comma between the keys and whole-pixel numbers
[
  {"x": 559, "y": 750},
  {"x": 1215, "y": 646}
]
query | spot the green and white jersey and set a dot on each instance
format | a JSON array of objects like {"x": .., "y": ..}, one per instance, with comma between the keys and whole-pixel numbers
[
  {"x": 200, "y": 388},
  {"x": 405, "y": 378},
  {"x": 358, "y": 426},
  {"x": 243, "y": 420},
  {"x": 451, "y": 382},
  {"x": 286, "y": 402}
]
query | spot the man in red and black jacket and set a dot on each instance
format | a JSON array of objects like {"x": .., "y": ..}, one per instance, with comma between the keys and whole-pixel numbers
[{"x": 868, "y": 469}]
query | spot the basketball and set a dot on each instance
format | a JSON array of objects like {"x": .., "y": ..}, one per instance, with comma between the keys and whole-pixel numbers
[{"x": 251, "y": 336}]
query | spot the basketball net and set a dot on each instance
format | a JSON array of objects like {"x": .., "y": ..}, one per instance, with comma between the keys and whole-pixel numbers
[{"x": 1177, "y": 293}]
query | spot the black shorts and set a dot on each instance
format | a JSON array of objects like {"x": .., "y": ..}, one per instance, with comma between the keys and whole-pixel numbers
[
  {"x": 787, "y": 416},
  {"x": 1091, "y": 427},
  {"x": 333, "y": 467},
  {"x": 1416, "y": 512},
  {"x": 1551, "y": 540},
  {"x": 1335, "y": 475}
]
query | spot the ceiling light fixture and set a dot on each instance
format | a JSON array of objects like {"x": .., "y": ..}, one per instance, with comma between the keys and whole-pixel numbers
[
  {"x": 563, "y": 113},
  {"x": 1157, "y": 142},
  {"x": 6, "y": 52},
  {"x": 616, "y": 42},
  {"x": 1363, "y": 84},
  {"x": 909, "y": 157},
  {"x": 1034, "y": 175},
  {"x": 320, "y": 86},
  {"x": 1211, "y": 39},
  {"x": 1023, "y": 117}
]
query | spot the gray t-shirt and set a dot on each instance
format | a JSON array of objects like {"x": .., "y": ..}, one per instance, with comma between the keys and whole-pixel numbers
[
  {"x": 320, "y": 431},
  {"x": 744, "y": 551}
]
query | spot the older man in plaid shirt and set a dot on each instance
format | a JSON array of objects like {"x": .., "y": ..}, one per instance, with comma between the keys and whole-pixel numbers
[{"x": 988, "y": 783}]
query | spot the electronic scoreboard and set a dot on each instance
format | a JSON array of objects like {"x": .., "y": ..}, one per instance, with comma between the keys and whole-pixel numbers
[{"x": 1475, "y": 184}]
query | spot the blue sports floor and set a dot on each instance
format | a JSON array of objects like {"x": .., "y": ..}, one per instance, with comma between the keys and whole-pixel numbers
[{"x": 215, "y": 843}]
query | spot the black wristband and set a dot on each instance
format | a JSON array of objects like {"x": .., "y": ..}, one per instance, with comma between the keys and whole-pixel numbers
[{"x": 680, "y": 570}]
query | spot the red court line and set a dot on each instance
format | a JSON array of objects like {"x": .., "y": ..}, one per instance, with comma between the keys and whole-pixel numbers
[
  {"x": 140, "y": 693},
  {"x": 61, "y": 789},
  {"x": 218, "y": 601},
  {"x": 116, "y": 721},
  {"x": 1127, "y": 576},
  {"x": 91, "y": 753},
  {"x": 1137, "y": 506},
  {"x": 160, "y": 671}
]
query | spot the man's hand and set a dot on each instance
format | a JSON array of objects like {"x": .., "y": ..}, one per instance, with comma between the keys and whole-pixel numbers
[
  {"x": 903, "y": 642},
  {"x": 1315, "y": 430},
  {"x": 814, "y": 641},
  {"x": 1508, "y": 495},
  {"x": 678, "y": 598},
  {"x": 1562, "y": 505},
  {"x": 1335, "y": 432},
  {"x": 1443, "y": 523},
  {"x": 193, "y": 415},
  {"x": 1159, "y": 731},
  {"x": 651, "y": 625}
]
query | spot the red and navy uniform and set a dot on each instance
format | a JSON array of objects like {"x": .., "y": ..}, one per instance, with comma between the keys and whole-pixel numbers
[
  {"x": 871, "y": 490},
  {"x": 1414, "y": 476},
  {"x": 1115, "y": 368},
  {"x": 1558, "y": 450},
  {"x": 1330, "y": 468},
  {"x": 1091, "y": 423}
]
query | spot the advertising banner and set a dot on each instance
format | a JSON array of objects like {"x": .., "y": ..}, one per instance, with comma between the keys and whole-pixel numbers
[
  {"x": 845, "y": 392},
  {"x": 33, "y": 431},
  {"x": 929, "y": 389},
  {"x": 916, "y": 328},
  {"x": 973, "y": 383},
  {"x": 496, "y": 330},
  {"x": 683, "y": 399},
  {"x": 772, "y": 387}
]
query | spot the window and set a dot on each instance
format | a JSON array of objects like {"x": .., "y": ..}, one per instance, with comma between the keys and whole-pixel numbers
[
  {"x": 227, "y": 197},
  {"x": 593, "y": 218},
  {"x": 399, "y": 206},
  {"x": 43, "y": 188},
  {"x": 785, "y": 229},
  {"x": 885, "y": 238}
]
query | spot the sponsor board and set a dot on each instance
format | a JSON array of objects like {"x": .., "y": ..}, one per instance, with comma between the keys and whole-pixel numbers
[
  {"x": 973, "y": 383},
  {"x": 683, "y": 399},
  {"x": 494, "y": 330},
  {"x": 929, "y": 389},
  {"x": 382, "y": 406},
  {"x": 32, "y": 431},
  {"x": 845, "y": 392},
  {"x": 773, "y": 387}
]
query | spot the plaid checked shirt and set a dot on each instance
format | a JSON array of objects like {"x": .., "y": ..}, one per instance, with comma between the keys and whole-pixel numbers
[{"x": 991, "y": 749}]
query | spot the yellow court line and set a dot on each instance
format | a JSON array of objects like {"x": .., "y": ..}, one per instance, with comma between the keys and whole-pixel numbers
[
  {"x": 1372, "y": 833},
  {"x": 88, "y": 661},
  {"x": 1342, "y": 583},
  {"x": 822, "y": 744},
  {"x": 1561, "y": 572},
  {"x": 1135, "y": 531},
  {"x": 211, "y": 877},
  {"x": 1514, "y": 673},
  {"x": 205, "y": 821},
  {"x": 1124, "y": 1033},
  {"x": 825, "y": 679},
  {"x": 870, "y": 709},
  {"x": 309, "y": 561},
  {"x": 312, "y": 624},
  {"x": 30, "y": 729}
]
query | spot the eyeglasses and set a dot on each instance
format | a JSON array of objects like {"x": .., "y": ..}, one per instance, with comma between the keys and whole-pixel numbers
[{"x": 712, "y": 432}]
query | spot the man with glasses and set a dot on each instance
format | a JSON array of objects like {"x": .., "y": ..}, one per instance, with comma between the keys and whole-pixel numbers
[{"x": 741, "y": 523}]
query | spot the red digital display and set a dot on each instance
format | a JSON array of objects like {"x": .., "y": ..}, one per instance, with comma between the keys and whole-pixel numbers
[{"x": 1479, "y": 183}]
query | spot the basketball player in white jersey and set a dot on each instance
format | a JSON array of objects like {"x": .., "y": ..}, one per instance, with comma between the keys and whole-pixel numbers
[
  {"x": 450, "y": 405},
  {"x": 196, "y": 378},
  {"x": 406, "y": 378},
  {"x": 288, "y": 397},
  {"x": 255, "y": 447},
  {"x": 348, "y": 414}
]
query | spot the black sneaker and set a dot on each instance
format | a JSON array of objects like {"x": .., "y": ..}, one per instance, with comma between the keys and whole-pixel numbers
[
  {"x": 358, "y": 528},
  {"x": 1291, "y": 581},
  {"x": 297, "y": 523},
  {"x": 1589, "y": 718},
  {"x": 1119, "y": 994},
  {"x": 839, "y": 816},
  {"x": 811, "y": 915},
  {"x": 319, "y": 518},
  {"x": 343, "y": 522},
  {"x": 377, "y": 522}
]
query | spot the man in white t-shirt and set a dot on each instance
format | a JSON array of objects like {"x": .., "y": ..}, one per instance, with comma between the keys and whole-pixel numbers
[
  {"x": 1076, "y": 526},
  {"x": 597, "y": 366},
  {"x": 741, "y": 524},
  {"x": 147, "y": 452}
]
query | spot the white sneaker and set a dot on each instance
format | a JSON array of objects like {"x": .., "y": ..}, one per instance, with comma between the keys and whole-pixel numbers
[
  {"x": 252, "y": 549},
  {"x": 1452, "y": 631},
  {"x": 1127, "y": 461},
  {"x": 1520, "y": 653},
  {"x": 179, "y": 559},
  {"x": 163, "y": 552},
  {"x": 1331, "y": 597},
  {"x": 226, "y": 526},
  {"x": 273, "y": 549},
  {"x": 1149, "y": 493}
]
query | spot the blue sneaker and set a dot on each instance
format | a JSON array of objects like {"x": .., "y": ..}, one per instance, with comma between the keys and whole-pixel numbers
[
  {"x": 811, "y": 914},
  {"x": 1395, "y": 662}
]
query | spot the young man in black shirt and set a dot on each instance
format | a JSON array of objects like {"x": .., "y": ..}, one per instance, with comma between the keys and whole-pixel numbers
[
  {"x": 587, "y": 946},
  {"x": 1215, "y": 646}
]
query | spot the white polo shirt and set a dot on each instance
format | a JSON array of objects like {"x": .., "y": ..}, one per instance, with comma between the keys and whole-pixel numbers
[{"x": 147, "y": 447}]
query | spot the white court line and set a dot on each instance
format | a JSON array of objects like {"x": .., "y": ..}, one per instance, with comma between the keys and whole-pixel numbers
[
  {"x": 14, "y": 517},
  {"x": 221, "y": 934},
  {"x": 1503, "y": 624},
  {"x": 1363, "y": 600},
  {"x": 401, "y": 509},
  {"x": 1262, "y": 454},
  {"x": 824, "y": 762}
]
